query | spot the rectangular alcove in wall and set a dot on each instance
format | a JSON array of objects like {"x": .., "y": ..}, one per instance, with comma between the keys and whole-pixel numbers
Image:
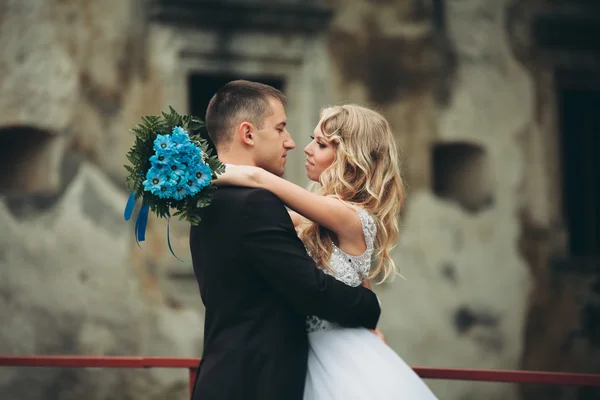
[
  {"x": 580, "y": 128},
  {"x": 579, "y": 102},
  {"x": 202, "y": 87}
]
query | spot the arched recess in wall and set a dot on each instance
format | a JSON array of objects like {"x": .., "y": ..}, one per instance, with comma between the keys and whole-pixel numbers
[
  {"x": 461, "y": 174},
  {"x": 30, "y": 160}
]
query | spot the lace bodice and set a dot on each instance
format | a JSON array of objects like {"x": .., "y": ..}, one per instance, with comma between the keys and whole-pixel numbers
[{"x": 351, "y": 270}]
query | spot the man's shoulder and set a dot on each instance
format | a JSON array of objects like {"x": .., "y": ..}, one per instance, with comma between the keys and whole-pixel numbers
[
  {"x": 245, "y": 194},
  {"x": 236, "y": 203},
  {"x": 243, "y": 201}
]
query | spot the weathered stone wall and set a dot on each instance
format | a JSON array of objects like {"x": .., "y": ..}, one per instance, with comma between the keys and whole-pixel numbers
[
  {"x": 74, "y": 76},
  {"x": 459, "y": 102},
  {"x": 563, "y": 313},
  {"x": 471, "y": 110}
]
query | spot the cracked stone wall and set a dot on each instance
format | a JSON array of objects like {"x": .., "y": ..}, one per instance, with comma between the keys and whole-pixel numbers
[
  {"x": 459, "y": 102},
  {"x": 74, "y": 76}
]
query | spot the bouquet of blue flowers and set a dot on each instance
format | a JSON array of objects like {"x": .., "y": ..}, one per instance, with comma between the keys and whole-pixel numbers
[{"x": 171, "y": 168}]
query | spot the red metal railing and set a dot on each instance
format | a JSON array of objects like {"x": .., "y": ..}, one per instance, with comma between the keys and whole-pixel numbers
[{"x": 191, "y": 364}]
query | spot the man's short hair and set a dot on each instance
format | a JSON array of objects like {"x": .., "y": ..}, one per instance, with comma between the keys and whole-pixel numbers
[{"x": 236, "y": 102}]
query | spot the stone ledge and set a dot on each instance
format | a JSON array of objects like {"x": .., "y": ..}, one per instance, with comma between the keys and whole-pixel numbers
[
  {"x": 568, "y": 27},
  {"x": 264, "y": 15}
]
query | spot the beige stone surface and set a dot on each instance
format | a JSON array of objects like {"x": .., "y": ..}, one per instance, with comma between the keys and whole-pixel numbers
[
  {"x": 68, "y": 287},
  {"x": 458, "y": 265},
  {"x": 76, "y": 75}
]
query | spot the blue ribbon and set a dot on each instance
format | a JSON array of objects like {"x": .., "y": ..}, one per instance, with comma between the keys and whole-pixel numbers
[
  {"x": 169, "y": 239},
  {"x": 141, "y": 223},
  {"x": 129, "y": 207}
]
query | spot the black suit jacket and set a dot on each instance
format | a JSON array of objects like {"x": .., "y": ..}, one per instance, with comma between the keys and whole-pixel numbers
[{"x": 258, "y": 285}]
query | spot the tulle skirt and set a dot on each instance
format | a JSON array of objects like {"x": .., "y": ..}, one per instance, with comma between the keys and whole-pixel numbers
[{"x": 346, "y": 364}]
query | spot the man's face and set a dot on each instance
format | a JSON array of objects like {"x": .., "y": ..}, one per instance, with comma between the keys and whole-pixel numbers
[{"x": 272, "y": 142}]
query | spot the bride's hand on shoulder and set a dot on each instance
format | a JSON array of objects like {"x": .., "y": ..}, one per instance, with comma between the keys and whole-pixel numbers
[
  {"x": 239, "y": 175},
  {"x": 379, "y": 334}
]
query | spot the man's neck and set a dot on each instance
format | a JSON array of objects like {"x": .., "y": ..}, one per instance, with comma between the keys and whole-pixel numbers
[{"x": 235, "y": 158}]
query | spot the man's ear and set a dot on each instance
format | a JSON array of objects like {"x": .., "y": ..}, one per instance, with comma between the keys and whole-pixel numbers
[{"x": 246, "y": 133}]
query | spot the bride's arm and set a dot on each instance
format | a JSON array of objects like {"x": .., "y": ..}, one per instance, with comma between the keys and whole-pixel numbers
[
  {"x": 328, "y": 212},
  {"x": 296, "y": 219}
]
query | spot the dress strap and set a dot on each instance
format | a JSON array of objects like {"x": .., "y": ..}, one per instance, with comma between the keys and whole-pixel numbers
[{"x": 369, "y": 227}]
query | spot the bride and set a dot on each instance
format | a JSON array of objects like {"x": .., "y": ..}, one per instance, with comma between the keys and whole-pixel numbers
[{"x": 349, "y": 228}]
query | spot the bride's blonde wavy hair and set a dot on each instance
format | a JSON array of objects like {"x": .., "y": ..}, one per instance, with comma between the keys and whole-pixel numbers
[{"x": 365, "y": 173}]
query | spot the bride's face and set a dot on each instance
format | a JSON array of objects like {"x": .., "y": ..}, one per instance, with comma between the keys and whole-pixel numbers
[{"x": 319, "y": 155}]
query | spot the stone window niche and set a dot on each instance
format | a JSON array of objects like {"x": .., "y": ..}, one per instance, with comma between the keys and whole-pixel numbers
[
  {"x": 30, "y": 160},
  {"x": 461, "y": 174},
  {"x": 202, "y": 87},
  {"x": 580, "y": 124}
]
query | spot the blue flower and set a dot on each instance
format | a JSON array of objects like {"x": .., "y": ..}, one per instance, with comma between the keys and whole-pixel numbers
[
  {"x": 162, "y": 143},
  {"x": 165, "y": 192},
  {"x": 191, "y": 149},
  {"x": 193, "y": 186},
  {"x": 168, "y": 189},
  {"x": 186, "y": 160},
  {"x": 160, "y": 183},
  {"x": 154, "y": 181},
  {"x": 179, "y": 131},
  {"x": 181, "y": 192},
  {"x": 190, "y": 156},
  {"x": 159, "y": 160},
  {"x": 180, "y": 138},
  {"x": 203, "y": 175},
  {"x": 178, "y": 169}
]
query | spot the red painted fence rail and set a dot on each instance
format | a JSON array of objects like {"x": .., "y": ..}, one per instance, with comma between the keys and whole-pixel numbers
[{"x": 191, "y": 364}]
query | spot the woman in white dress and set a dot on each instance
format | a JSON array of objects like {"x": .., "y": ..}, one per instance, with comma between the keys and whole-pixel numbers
[{"x": 349, "y": 228}]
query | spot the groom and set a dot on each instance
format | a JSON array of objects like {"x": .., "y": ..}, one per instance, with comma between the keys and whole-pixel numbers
[{"x": 255, "y": 278}]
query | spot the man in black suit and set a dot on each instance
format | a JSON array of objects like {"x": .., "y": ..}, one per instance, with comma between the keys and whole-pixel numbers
[{"x": 256, "y": 281}]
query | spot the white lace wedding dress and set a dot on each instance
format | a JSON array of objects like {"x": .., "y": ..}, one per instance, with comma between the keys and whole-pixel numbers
[{"x": 354, "y": 363}]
